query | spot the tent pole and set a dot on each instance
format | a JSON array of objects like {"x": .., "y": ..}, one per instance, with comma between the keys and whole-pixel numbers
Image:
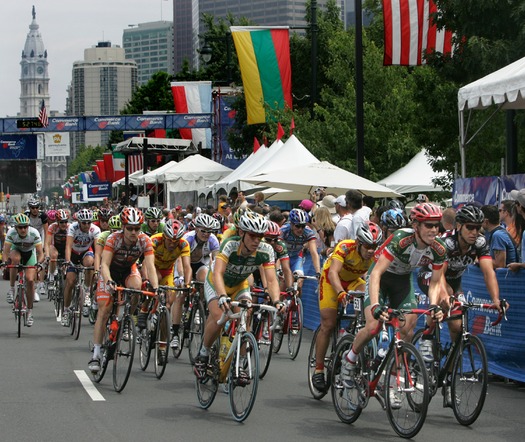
[{"x": 462, "y": 144}]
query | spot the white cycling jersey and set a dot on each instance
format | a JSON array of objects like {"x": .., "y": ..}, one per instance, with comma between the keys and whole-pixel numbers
[
  {"x": 82, "y": 241},
  {"x": 25, "y": 244}
]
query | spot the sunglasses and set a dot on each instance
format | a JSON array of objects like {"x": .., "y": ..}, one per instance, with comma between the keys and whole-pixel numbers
[
  {"x": 431, "y": 225},
  {"x": 85, "y": 222},
  {"x": 300, "y": 226},
  {"x": 471, "y": 227},
  {"x": 255, "y": 235},
  {"x": 22, "y": 227},
  {"x": 270, "y": 240},
  {"x": 209, "y": 232},
  {"x": 133, "y": 229},
  {"x": 369, "y": 246},
  {"x": 154, "y": 220},
  {"x": 62, "y": 222}
]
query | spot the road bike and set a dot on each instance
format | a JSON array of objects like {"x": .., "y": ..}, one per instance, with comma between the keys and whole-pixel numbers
[
  {"x": 93, "y": 306},
  {"x": 263, "y": 329},
  {"x": 354, "y": 322},
  {"x": 77, "y": 300},
  {"x": 119, "y": 339},
  {"x": 55, "y": 289},
  {"x": 156, "y": 334},
  {"x": 464, "y": 362},
  {"x": 234, "y": 360},
  {"x": 292, "y": 323},
  {"x": 399, "y": 383}
]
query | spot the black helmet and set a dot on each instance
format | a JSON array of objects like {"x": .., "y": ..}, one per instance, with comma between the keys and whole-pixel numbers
[{"x": 469, "y": 214}]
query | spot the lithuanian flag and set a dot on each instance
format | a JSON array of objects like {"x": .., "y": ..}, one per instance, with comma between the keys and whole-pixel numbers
[{"x": 264, "y": 60}]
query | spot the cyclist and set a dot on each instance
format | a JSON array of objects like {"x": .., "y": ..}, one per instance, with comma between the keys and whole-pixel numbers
[
  {"x": 204, "y": 245},
  {"x": 282, "y": 260},
  {"x": 38, "y": 219},
  {"x": 233, "y": 229},
  {"x": 238, "y": 258},
  {"x": 152, "y": 224},
  {"x": 389, "y": 280},
  {"x": 81, "y": 235},
  {"x": 392, "y": 220},
  {"x": 342, "y": 272},
  {"x": 55, "y": 245},
  {"x": 296, "y": 234},
  {"x": 23, "y": 245},
  {"x": 465, "y": 245},
  {"x": 118, "y": 267},
  {"x": 103, "y": 216}
]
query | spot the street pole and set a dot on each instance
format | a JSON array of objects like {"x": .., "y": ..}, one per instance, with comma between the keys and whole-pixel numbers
[
  {"x": 313, "y": 24},
  {"x": 359, "y": 111}
]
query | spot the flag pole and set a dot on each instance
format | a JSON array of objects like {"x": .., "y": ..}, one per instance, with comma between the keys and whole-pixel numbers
[{"x": 359, "y": 111}]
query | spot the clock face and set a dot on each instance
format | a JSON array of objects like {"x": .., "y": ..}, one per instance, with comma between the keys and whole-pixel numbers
[{"x": 40, "y": 70}]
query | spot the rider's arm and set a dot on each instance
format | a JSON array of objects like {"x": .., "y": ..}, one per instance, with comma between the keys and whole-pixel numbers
[
  {"x": 375, "y": 278},
  {"x": 287, "y": 272},
  {"x": 218, "y": 277},
  {"x": 272, "y": 284},
  {"x": 149, "y": 264},
  {"x": 263, "y": 276},
  {"x": 5, "y": 251},
  {"x": 105, "y": 262},
  {"x": 98, "y": 255},
  {"x": 435, "y": 289},
  {"x": 47, "y": 243},
  {"x": 186, "y": 268},
  {"x": 333, "y": 275},
  {"x": 69, "y": 247},
  {"x": 39, "y": 253}
]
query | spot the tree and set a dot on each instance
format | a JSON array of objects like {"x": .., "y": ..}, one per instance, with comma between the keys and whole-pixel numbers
[
  {"x": 86, "y": 157},
  {"x": 155, "y": 95}
]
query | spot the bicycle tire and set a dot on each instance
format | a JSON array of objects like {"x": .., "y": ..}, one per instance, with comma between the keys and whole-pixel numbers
[
  {"x": 295, "y": 330},
  {"x": 162, "y": 328},
  {"x": 19, "y": 307},
  {"x": 183, "y": 325},
  {"x": 72, "y": 309},
  {"x": 242, "y": 386},
  {"x": 469, "y": 380},
  {"x": 144, "y": 348},
  {"x": 124, "y": 352},
  {"x": 318, "y": 394},
  {"x": 348, "y": 402},
  {"x": 278, "y": 337},
  {"x": 197, "y": 322},
  {"x": 207, "y": 388},
  {"x": 410, "y": 387},
  {"x": 105, "y": 354},
  {"x": 59, "y": 298},
  {"x": 432, "y": 369},
  {"x": 77, "y": 314},
  {"x": 264, "y": 336},
  {"x": 92, "y": 316}
]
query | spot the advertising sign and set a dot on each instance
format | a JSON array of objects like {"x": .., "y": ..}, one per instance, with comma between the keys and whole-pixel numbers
[
  {"x": 18, "y": 147},
  {"x": 96, "y": 191},
  {"x": 57, "y": 144}
]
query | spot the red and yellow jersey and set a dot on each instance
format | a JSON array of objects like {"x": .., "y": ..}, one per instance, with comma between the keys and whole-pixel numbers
[
  {"x": 354, "y": 266},
  {"x": 164, "y": 258}
]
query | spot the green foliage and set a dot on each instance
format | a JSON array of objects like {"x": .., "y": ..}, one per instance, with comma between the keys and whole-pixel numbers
[
  {"x": 155, "y": 95},
  {"x": 86, "y": 157}
]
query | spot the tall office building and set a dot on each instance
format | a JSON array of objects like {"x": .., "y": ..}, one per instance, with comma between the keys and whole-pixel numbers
[
  {"x": 102, "y": 84},
  {"x": 151, "y": 46},
  {"x": 187, "y": 13}
]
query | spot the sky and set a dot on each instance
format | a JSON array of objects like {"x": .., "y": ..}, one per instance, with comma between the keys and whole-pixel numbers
[{"x": 67, "y": 28}]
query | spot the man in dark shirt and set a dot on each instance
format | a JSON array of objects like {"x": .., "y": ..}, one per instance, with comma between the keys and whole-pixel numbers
[{"x": 502, "y": 248}]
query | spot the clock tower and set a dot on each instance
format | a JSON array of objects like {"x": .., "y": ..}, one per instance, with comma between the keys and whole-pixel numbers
[{"x": 34, "y": 79}]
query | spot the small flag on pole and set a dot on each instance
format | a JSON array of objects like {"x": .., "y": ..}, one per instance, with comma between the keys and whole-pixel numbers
[
  {"x": 256, "y": 145},
  {"x": 280, "y": 131},
  {"x": 42, "y": 115},
  {"x": 292, "y": 126}
]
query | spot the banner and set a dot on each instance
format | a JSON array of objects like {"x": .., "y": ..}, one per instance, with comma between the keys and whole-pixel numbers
[
  {"x": 264, "y": 60},
  {"x": 18, "y": 147},
  {"x": 57, "y": 144},
  {"x": 485, "y": 190},
  {"x": 96, "y": 191},
  {"x": 193, "y": 97}
]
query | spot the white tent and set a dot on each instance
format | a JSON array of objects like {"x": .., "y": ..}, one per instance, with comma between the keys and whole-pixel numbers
[
  {"x": 504, "y": 88},
  {"x": 154, "y": 175},
  {"x": 302, "y": 180},
  {"x": 414, "y": 177},
  {"x": 133, "y": 179}
]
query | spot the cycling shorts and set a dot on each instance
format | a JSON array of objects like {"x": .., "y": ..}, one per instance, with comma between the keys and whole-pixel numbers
[
  {"x": 395, "y": 291},
  {"x": 26, "y": 258},
  {"x": 423, "y": 281},
  {"x": 327, "y": 294},
  {"x": 296, "y": 265},
  {"x": 120, "y": 278},
  {"x": 236, "y": 293},
  {"x": 77, "y": 258},
  {"x": 166, "y": 276}
]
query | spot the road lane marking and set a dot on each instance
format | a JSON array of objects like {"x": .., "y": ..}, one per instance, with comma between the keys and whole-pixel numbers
[{"x": 88, "y": 386}]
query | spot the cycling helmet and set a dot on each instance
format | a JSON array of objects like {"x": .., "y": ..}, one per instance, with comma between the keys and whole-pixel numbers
[
  {"x": 152, "y": 213},
  {"x": 174, "y": 229},
  {"x": 84, "y": 215},
  {"x": 393, "y": 219},
  {"x": 219, "y": 218},
  {"x": 62, "y": 215},
  {"x": 20, "y": 219},
  {"x": 273, "y": 230},
  {"x": 254, "y": 223},
  {"x": 425, "y": 212},
  {"x": 298, "y": 216},
  {"x": 51, "y": 215},
  {"x": 115, "y": 223},
  {"x": 105, "y": 213},
  {"x": 33, "y": 202},
  {"x": 469, "y": 214},
  {"x": 131, "y": 216},
  {"x": 396, "y": 204},
  {"x": 369, "y": 233},
  {"x": 237, "y": 216},
  {"x": 205, "y": 221}
]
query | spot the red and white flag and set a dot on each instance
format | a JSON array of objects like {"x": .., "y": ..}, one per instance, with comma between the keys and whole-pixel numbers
[
  {"x": 410, "y": 32},
  {"x": 42, "y": 115}
]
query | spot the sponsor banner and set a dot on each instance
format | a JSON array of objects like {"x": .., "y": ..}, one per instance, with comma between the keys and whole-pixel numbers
[
  {"x": 106, "y": 123},
  {"x": 96, "y": 191},
  {"x": 485, "y": 190},
  {"x": 191, "y": 121},
  {"x": 224, "y": 119},
  {"x": 18, "y": 147},
  {"x": 57, "y": 144}
]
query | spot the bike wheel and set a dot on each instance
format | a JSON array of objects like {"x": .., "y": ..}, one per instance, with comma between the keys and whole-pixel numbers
[
  {"x": 124, "y": 352},
  {"x": 243, "y": 378},
  {"x": 108, "y": 347},
  {"x": 182, "y": 335},
  {"x": 432, "y": 369},
  {"x": 77, "y": 314},
  {"x": 318, "y": 394},
  {"x": 469, "y": 380},
  {"x": 19, "y": 308},
  {"x": 406, "y": 390},
  {"x": 207, "y": 388},
  {"x": 72, "y": 310},
  {"x": 295, "y": 329},
  {"x": 197, "y": 321},
  {"x": 144, "y": 348},
  {"x": 162, "y": 334},
  {"x": 92, "y": 316},
  {"x": 278, "y": 336},
  {"x": 348, "y": 402},
  {"x": 59, "y": 298},
  {"x": 264, "y": 336}
]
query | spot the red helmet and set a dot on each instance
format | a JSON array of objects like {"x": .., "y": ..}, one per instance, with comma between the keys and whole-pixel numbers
[
  {"x": 62, "y": 215},
  {"x": 425, "y": 212},
  {"x": 131, "y": 216},
  {"x": 273, "y": 230}
]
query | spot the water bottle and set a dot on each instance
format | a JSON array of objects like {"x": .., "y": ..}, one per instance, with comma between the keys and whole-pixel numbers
[
  {"x": 113, "y": 328},
  {"x": 382, "y": 350}
]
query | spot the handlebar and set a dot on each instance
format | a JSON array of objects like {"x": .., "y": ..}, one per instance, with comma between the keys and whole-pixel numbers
[{"x": 244, "y": 304}]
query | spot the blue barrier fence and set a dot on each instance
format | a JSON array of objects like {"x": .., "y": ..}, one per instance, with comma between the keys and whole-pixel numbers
[{"x": 505, "y": 343}]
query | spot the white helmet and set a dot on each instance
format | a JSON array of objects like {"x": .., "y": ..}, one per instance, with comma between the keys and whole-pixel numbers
[
  {"x": 205, "y": 221},
  {"x": 254, "y": 223}
]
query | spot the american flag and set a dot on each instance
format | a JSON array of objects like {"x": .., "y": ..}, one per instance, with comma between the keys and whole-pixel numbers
[{"x": 42, "y": 115}]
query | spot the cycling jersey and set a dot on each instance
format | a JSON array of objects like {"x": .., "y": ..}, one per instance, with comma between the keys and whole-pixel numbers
[
  {"x": 165, "y": 259},
  {"x": 201, "y": 252},
  {"x": 295, "y": 243},
  {"x": 58, "y": 236},
  {"x": 125, "y": 256},
  {"x": 26, "y": 244},
  {"x": 229, "y": 232},
  {"x": 145, "y": 229},
  {"x": 82, "y": 241},
  {"x": 37, "y": 221},
  {"x": 280, "y": 250}
]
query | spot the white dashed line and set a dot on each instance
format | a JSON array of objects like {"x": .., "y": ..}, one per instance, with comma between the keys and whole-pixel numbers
[{"x": 88, "y": 386}]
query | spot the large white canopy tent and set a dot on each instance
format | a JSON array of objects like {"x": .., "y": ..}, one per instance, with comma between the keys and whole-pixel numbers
[
  {"x": 154, "y": 175},
  {"x": 133, "y": 178},
  {"x": 414, "y": 177},
  {"x": 504, "y": 88}
]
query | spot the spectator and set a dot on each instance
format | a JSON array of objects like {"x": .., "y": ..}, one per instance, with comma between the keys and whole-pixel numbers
[
  {"x": 362, "y": 215},
  {"x": 329, "y": 202},
  {"x": 448, "y": 221},
  {"x": 277, "y": 217},
  {"x": 307, "y": 206},
  {"x": 342, "y": 229},
  {"x": 325, "y": 227},
  {"x": 502, "y": 248},
  {"x": 512, "y": 219}
]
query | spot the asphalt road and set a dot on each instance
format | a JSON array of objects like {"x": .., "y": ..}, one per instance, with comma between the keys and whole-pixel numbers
[{"x": 43, "y": 399}]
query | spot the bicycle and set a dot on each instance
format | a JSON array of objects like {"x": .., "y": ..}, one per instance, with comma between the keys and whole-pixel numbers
[
  {"x": 118, "y": 343},
  {"x": 356, "y": 321},
  {"x": 93, "y": 306},
  {"x": 55, "y": 290},
  {"x": 77, "y": 300},
  {"x": 465, "y": 360},
  {"x": 155, "y": 335},
  {"x": 263, "y": 330},
  {"x": 19, "y": 304},
  {"x": 399, "y": 383},
  {"x": 292, "y": 325},
  {"x": 234, "y": 359},
  {"x": 192, "y": 321}
]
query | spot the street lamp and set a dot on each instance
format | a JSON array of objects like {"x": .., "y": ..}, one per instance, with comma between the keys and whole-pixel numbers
[{"x": 206, "y": 52}]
